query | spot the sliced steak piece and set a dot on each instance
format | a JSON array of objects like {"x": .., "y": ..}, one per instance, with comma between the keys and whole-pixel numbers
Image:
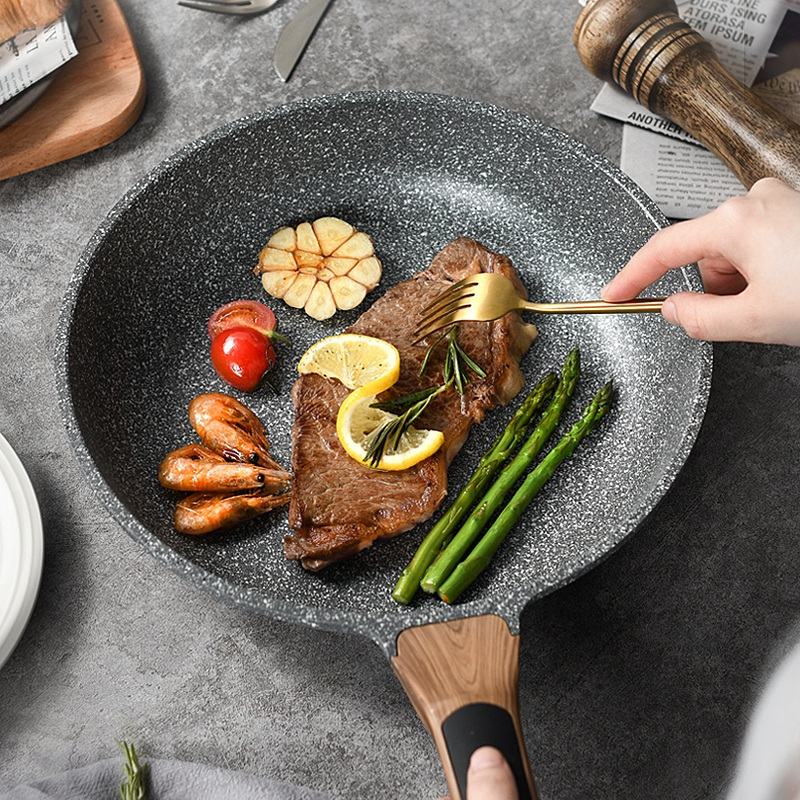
[{"x": 338, "y": 506}]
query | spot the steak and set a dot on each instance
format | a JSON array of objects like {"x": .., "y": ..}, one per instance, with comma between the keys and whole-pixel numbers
[{"x": 339, "y": 506}]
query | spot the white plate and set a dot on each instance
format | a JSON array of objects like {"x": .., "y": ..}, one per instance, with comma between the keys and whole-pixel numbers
[{"x": 21, "y": 549}]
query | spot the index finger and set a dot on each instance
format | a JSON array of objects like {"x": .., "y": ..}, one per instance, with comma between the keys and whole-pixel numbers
[{"x": 681, "y": 244}]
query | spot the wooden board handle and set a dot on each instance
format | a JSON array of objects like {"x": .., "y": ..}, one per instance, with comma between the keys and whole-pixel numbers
[
  {"x": 17, "y": 15},
  {"x": 462, "y": 678},
  {"x": 646, "y": 48}
]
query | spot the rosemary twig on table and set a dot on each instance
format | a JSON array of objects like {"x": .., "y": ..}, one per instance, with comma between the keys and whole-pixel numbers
[{"x": 134, "y": 787}]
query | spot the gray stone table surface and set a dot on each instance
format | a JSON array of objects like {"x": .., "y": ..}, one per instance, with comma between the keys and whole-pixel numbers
[{"x": 636, "y": 680}]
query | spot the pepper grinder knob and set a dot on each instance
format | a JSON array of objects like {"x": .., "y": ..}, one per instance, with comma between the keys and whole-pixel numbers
[{"x": 645, "y": 47}]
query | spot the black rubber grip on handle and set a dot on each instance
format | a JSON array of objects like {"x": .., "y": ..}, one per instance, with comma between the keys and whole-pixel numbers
[{"x": 476, "y": 725}]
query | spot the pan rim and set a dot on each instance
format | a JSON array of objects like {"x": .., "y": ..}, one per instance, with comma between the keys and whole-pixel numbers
[{"x": 321, "y": 617}]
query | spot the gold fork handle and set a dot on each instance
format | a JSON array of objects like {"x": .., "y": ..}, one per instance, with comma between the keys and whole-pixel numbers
[{"x": 596, "y": 306}]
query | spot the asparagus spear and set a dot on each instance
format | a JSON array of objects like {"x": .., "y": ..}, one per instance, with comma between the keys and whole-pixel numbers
[
  {"x": 469, "y": 569},
  {"x": 439, "y": 535},
  {"x": 437, "y": 573}
]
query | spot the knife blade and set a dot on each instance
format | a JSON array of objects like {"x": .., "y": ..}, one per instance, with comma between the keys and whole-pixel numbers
[{"x": 296, "y": 35}]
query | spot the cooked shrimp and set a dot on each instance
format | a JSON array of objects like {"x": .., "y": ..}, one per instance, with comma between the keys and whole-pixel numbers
[
  {"x": 196, "y": 468},
  {"x": 203, "y": 512},
  {"x": 230, "y": 428}
]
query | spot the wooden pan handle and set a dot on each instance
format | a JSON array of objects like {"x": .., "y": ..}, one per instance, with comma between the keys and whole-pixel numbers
[
  {"x": 17, "y": 15},
  {"x": 462, "y": 678},
  {"x": 646, "y": 48}
]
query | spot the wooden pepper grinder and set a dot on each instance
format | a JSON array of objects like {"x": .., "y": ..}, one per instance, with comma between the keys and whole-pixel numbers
[{"x": 646, "y": 48}]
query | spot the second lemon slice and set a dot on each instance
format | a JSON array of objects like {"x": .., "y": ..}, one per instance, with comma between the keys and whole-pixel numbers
[
  {"x": 357, "y": 423},
  {"x": 355, "y": 360}
]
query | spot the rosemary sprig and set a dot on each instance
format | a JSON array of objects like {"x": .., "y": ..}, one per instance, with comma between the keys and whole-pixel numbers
[
  {"x": 456, "y": 369},
  {"x": 457, "y": 364},
  {"x": 388, "y": 436},
  {"x": 134, "y": 787},
  {"x": 406, "y": 401}
]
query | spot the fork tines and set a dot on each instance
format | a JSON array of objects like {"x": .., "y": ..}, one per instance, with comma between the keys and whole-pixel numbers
[
  {"x": 442, "y": 310},
  {"x": 458, "y": 291},
  {"x": 245, "y": 7}
]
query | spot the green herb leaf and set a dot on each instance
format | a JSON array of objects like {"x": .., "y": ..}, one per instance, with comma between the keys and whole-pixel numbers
[
  {"x": 456, "y": 369},
  {"x": 462, "y": 355},
  {"x": 429, "y": 353},
  {"x": 134, "y": 787},
  {"x": 389, "y": 435},
  {"x": 457, "y": 364},
  {"x": 407, "y": 400}
]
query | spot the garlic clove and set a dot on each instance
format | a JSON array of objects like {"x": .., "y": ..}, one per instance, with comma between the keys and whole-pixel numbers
[
  {"x": 271, "y": 258},
  {"x": 331, "y": 233},
  {"x": 358, "y": 246},
  {"x": 305, "y": 259},
  {"x": 367, "y": 271},
  {"x": 277, "y": 282},
  {"x": 340, "y": 266},
  {"x": 299, "y": 291},
  {"x": 307, "y": 239},
  {"x": 346, "y": 292},
  {"x": 320, "y": 303},
  {"x": 283, "y": 239}
]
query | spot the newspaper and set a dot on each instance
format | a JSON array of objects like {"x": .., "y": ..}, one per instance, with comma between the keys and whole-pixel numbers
[
  {"x": 32, "y": 54},
  {"x": 759, "y": 43},
  {"x": 684, "y": 180}
]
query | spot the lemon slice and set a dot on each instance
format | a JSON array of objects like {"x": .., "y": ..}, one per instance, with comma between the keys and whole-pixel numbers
[
  {"x": 355, "y": 360},
  {"x": 357, "y": 423}
]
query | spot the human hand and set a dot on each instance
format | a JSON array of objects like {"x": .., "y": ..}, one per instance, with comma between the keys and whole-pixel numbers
[
  {"x": 489, "y": 776},
  {"x": 748, "y": 252}
]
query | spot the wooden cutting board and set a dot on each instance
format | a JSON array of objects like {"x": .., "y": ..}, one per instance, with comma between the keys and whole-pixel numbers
[{"x": 94, "y": 99}]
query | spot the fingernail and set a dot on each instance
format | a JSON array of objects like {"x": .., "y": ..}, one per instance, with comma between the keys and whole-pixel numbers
[
  {"x": 669, "y": 312},
  {"x": 485, "y": 757}
]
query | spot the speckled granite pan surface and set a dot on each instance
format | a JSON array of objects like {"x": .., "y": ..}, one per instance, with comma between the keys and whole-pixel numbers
[{"x": 414, "y": 171}]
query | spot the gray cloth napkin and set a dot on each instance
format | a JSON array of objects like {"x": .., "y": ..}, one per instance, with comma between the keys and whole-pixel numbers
[{"x": 169, "y": 780}]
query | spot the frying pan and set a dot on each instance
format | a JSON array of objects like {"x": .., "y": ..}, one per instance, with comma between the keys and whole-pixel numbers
[{"x": 415, "y": 171}]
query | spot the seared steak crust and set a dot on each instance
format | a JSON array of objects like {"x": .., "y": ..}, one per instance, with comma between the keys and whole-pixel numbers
[{"x": 338, "y": 506}]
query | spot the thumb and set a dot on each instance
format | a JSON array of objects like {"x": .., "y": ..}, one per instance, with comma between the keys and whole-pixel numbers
[
  {"x": 716, "y": 318},
  {"x": 489, "y": 776}
]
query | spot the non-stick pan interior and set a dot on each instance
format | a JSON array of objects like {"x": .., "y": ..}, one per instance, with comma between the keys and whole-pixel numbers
[{"x": 414, "y": 171}]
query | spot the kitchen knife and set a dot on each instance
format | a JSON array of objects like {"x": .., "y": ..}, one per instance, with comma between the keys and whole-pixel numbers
[{"x": 296, "y": 35}]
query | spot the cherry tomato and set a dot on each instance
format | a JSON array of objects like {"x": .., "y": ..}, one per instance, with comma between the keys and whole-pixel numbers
[
  {"x": 242, "y": 313},
  {"x": 242, "y": 356}
]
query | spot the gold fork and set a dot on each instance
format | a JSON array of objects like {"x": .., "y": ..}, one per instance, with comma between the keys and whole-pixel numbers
[
  {"x": 244, "y": 8},
  {"x": 489, "y": 295}
]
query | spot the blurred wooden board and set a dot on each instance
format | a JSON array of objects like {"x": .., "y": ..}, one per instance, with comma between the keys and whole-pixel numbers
[{"x": 94, "y": 99}]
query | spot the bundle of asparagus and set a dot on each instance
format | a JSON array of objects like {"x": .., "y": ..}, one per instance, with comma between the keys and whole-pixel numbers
[{"x": 449, "y": 559}]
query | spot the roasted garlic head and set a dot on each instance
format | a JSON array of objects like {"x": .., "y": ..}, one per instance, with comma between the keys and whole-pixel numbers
[{"x": 321, "y": 266}]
